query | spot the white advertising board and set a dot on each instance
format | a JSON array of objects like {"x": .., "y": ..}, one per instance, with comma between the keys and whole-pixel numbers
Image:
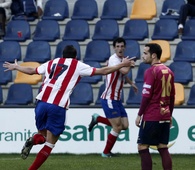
[{"x": 17, "y": 124}]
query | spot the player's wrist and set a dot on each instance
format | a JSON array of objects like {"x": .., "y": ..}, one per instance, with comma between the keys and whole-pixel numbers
[{"x": 16, "y": 67}]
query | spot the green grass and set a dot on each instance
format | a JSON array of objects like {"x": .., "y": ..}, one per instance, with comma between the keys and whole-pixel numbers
[{"x": 93, "y": 162}]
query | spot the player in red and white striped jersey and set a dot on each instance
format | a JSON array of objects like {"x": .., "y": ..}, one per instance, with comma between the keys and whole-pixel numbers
[
  {"x": 114, "y": 110},
  {"x": 61, "y": 76}
]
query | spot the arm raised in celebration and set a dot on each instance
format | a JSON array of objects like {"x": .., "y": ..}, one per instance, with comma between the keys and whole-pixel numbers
[{"x": 15, "y": 66}]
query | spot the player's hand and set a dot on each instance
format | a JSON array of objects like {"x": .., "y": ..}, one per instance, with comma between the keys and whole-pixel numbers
[
  {"x": 132, "y": 64},
  {"x": 126, "y": 61},
  {"x": 138, "y": 121},
  {"x": 135, "y": 89},
  {"x": 10, "y": 66},
  {"x": 171, "y": 122},
  {"x": 129, "y": 61}
]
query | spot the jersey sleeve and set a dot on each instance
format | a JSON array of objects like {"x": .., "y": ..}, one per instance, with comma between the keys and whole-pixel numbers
[
  {"x": 42, "y": 68},
  {"x": 148, "y": 83},
  {"x": 86, "y": 70}
]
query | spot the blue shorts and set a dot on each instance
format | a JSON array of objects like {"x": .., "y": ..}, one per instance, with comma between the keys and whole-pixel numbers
[
  {"x": 51, "y": 117},
  {"x": 113, "y": 108},
  {"x": 154, "y": 132}
]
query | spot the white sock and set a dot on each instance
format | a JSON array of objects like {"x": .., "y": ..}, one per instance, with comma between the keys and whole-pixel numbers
[
  {"x": 114, "y": 133},
  {"x": 180, "y": 26},
  {"x": 49, "y": 145},
  {"x": 39, "y": 3}
]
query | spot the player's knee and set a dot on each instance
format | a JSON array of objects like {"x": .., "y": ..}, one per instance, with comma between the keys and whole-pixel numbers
[
  {"x": 125, "y": 127},
  {"x": 142, "y": 147},
  {"x": 118, "y": 128},
  {"x": 161, "y": 146}
]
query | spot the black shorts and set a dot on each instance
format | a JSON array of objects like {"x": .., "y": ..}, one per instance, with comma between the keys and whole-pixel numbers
[{"x": 154, "y": 132}]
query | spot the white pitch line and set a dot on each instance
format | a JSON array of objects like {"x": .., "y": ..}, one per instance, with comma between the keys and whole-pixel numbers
[{"x": 9, "y": 159}]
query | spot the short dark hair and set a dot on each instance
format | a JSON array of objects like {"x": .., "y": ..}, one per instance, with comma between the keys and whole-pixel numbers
[
  {"x": 119, "y": 40},
  {"x": 69, "y": 52},
  {"x": 154, "y": 48}
]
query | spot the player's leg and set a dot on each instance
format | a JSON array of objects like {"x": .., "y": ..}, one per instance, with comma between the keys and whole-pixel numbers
[
  {"x": 118, "y": 123},
  {"x": 45, "y": 151},
  {"x": 124, "y": 117},
  {"x": 162, "y": 147},
  {"x": 113, "y": 113},
  {"x": 112, "y": 136},
  {"x": 148, "y": 135},
  {"x": 39, "y": 138},
  {"x": 125, "y": 123},
  {"x": 96, "y": 118},
  {"x": 30, "y": 142},
  {"x": 55, "y": 126},
  {"x": 146, "y": 159},
  {"x": 27, "y": 148},
  {"x": 166, "y": 158}
]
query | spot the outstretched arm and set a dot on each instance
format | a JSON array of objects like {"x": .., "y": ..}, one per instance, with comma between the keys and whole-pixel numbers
[
  {"x": 132, "y": 84},
  {"x": 109, "y": 69},
  {"x": 15, "y": 66}
]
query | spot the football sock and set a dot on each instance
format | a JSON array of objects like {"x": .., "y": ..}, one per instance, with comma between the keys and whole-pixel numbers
[
  {"x": 146, "y": 159},
  {"x": 180, "y": 26},
  {"x": 110, "y": 142},
  {"x": 166, "y": 158},
  {"x": 103, "y": 120},
  {"x": 42, "y": 156},
  {"x": 38, "y": 139}
]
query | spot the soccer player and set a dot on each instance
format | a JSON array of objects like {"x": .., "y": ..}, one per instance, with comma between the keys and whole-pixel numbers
[
  {"x": 154, "y": 118},
  {"x": 61, "y": 76},
  {"x": 115, "y": 113}
]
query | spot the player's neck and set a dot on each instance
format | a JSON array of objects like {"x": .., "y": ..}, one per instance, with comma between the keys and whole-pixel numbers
[{"x": 155, "y": 62}]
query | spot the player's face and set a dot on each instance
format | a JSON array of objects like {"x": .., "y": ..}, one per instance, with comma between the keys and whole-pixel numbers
[
  {"x": 146, "y": 56},
  {"x": 119, "y": 49}
]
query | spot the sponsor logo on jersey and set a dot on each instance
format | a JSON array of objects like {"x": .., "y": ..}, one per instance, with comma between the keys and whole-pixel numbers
[
  {"x": 147, "y": 86},
  {"x": 144, "y": 91}
]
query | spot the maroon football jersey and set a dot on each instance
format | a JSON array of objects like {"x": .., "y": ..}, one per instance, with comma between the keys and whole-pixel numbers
[{"x": 158, "y": 87}]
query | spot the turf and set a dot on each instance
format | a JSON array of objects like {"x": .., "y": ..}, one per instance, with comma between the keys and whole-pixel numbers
[{"x": 93, "y": 162}]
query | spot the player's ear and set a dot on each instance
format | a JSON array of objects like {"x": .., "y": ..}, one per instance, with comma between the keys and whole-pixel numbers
[{"x": 154, "y": 55}]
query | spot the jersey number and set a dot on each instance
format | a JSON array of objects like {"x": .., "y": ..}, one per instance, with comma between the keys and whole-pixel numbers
[
  {"x": 63, "y": 68},
  {"x": 166, "y": 86}
]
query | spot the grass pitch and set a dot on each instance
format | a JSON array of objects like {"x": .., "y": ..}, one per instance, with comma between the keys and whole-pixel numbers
[{"x": 93, "y": 162}]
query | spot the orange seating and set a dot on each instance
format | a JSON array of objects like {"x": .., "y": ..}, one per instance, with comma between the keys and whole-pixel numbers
[
  {"x": 179, "y": 94},
  {"x": 166, "y": 50},
  {"x": 29, "y": 79},
  {"x": 143, "y": 9}
]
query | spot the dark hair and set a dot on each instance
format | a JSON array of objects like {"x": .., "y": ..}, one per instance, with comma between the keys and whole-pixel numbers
[
  {"x": 119, "y": 40},
  {"x": 154, "y": 48},
  {"x": 69, "y": 52}
]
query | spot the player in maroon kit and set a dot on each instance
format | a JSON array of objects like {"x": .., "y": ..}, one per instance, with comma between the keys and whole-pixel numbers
[
  {"x": 61, "y": 76},
  {"x": 155, "y": 114}
]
